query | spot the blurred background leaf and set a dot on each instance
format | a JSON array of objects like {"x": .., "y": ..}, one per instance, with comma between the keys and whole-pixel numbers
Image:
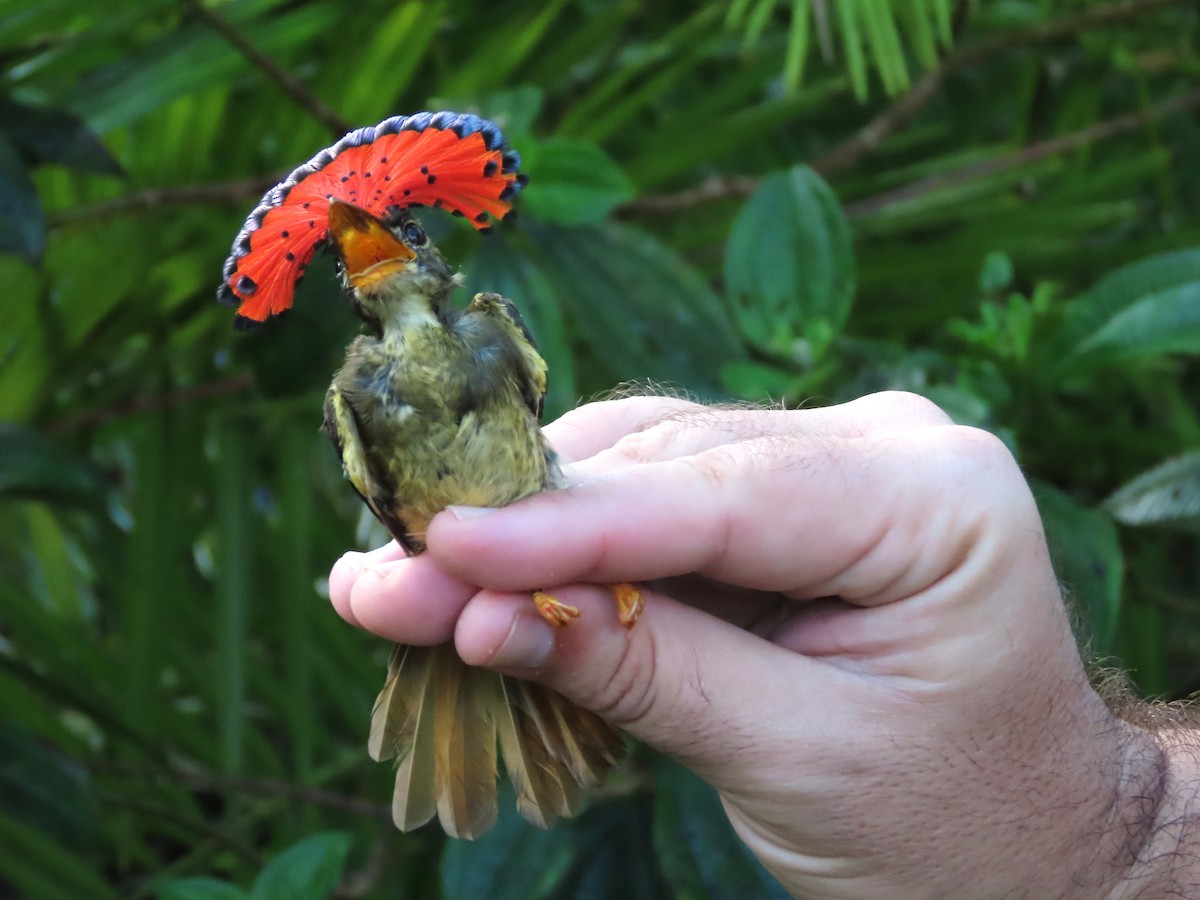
[{"x": 993, "y": 204}]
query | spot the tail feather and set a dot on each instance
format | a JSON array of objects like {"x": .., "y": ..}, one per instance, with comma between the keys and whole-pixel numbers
[
  {"x": 441, "y": 719},
  {"x": 414, "y": 800},
  {"x": 585, "y": 746},
  {"x": 543, "y": 794},
  {"x": 392, "y": 718},
  {"x": 465, "y": 744}
]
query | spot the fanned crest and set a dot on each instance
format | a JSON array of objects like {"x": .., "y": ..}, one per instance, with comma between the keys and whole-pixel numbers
[{"x": 450, "y": 160}]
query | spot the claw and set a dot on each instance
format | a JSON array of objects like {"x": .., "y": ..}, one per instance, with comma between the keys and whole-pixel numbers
[
  {"x": 629, "y": 603},
  {"x": 554, "y": 611}
]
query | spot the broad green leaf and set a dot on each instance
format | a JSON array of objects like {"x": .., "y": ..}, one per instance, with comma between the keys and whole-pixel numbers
[
  {"x": 755, "y": 380},
  {"x": 310, "y": 869},
  {"x": 573, "y": 182},
  {"x": 643, "y": 310},
  {"x": 699, "y": 852},
  {"x": 45, "y": 789},
  {"x": 198, "y": 889},
  {"x": 1090, "y": 316},
  {"x": 612, "y": 855},
  {"x": 22, "y": 231},
  {"x": 690, "y": 143},
  {"x": 395, "y": 42},
  {"x": 35, "y": 865},
  {"x": 53, "y": 136},
  {"x": 1088, "y": 560},
  {"x": 789, "y": 264},
  {"x": 1166, "y": 322},
  {"x": 32, "y": 465},
  {"x": 1168, "y": 494},
  {"x": 512, "y": 861},
  {"x": 188, "y": 60},
  {"x": 509, "y": 43}
]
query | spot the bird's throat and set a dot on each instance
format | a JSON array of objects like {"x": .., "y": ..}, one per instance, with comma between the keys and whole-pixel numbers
[{"x": 397, "y": 312}]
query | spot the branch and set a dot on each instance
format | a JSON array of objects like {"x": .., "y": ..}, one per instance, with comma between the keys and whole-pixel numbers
[
  {"x": 170, "y": 814},
  {"x": 152, "y": 198},
  {"x": 715, "y": 188},
  {"x": 136, "y": 405},
  {"x": 288, "y": 83},
  {"x": 841, "y": 157},
  {"x": 1034, "y": 152},
  {"x": 212, "y": 781},
  {"x": 901, "y": 110}
]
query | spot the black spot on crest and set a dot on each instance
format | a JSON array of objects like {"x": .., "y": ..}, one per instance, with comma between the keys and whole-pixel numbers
[
  {"x": 489, "y": 168},
  {"x": 431, "y": 179},
  {"x": 246, "y": 286}
]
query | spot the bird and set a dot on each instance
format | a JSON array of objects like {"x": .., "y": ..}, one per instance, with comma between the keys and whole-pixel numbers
[{"x": 433, "y": 406}]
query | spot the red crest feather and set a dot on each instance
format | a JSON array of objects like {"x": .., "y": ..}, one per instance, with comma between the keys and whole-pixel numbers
[{"x": 450, "y": 160}]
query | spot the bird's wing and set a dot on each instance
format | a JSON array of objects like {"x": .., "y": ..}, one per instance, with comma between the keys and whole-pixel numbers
[
  {"x": 504, "y": 312},
  {"x": 341, "y": 426}
]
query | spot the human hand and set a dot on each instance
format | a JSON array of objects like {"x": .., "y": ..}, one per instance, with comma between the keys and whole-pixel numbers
[{"x": 852, "y": 631}]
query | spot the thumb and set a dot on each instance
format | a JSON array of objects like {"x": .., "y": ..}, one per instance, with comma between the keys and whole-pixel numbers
[{"x": 688, "y": 683}]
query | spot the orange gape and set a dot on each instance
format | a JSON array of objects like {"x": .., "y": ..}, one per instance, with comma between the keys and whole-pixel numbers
[{"x": 453, "y": 161}]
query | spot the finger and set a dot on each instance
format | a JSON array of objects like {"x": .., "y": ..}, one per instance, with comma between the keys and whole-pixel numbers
[
  {"x": 695, "y": 429},
  {"x": 588, "y": 429},
  {"x": 410, "y": 601},
  {"x": 869, "y": 519},
  {"x": 346, "y": 569},
  {"x": 680, "y": 680}
]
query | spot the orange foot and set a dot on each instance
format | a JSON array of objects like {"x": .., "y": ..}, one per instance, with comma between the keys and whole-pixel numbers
[
  {"x": 554, "y": 611},
  {"x": 629, "y": 603}
]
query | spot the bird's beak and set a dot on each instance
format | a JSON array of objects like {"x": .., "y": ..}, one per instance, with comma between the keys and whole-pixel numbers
[{"x": 368, "y": 249}]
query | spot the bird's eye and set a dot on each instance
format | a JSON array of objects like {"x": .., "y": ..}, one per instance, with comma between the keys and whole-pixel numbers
[{"x": 413, "y": 234}]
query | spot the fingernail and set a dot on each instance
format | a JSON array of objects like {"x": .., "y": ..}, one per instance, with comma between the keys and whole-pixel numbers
[
  {"x": 470, "y": 512},
  {"x": 529, "y": 643},
  {"x": 352, "y": 560}
]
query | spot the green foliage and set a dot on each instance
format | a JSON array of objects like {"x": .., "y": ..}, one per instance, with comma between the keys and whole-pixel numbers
[
  {"x": 721, "y": 199},
  {"x": 309, "y": 869},
  {"x": 789, "y": 266}
]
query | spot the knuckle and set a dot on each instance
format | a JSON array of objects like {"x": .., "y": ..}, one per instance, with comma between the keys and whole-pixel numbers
[
  {"x": 976, "y": 449},
  {"x": 712, "y": 466},
  {"x": 640, "y": 446},
  {"x": 909, "y": 407}
]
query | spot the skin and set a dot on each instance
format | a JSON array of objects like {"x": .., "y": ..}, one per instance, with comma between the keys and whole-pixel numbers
[{"x": 852, "y": 631}]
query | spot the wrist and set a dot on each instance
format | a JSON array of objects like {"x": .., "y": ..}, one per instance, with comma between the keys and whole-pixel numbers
[{"x": 1166, "y": 858}]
